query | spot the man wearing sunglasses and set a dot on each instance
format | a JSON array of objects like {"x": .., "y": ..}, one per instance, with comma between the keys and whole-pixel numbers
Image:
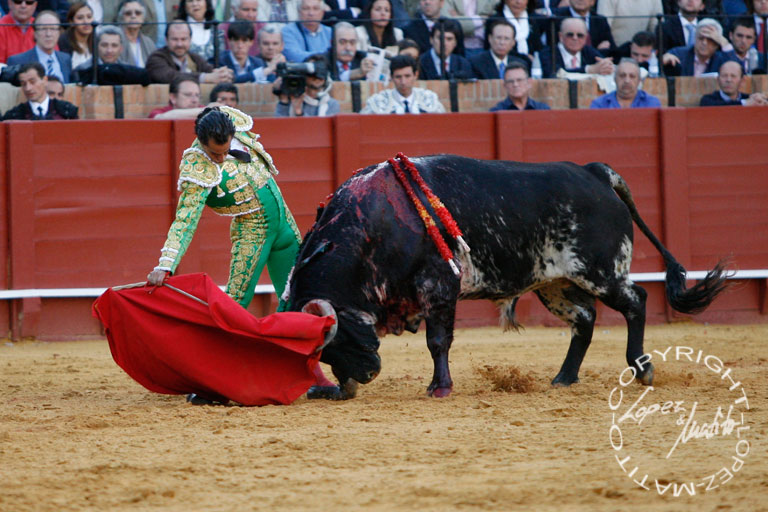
[
  {"x": 16, "y": 34},
  {"x": 573, "y": 54}
]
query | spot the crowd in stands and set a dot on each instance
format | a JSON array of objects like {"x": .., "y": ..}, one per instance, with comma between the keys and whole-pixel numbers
[{"x": 187, "y": 42}]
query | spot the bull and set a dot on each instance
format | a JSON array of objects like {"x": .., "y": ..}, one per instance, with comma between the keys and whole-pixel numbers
[{"x": 560, "y": 230}]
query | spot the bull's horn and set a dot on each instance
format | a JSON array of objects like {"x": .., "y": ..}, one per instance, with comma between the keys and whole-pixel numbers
[{"x": 320, "y": 307}]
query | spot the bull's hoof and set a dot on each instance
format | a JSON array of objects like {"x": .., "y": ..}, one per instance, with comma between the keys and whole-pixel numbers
[
  {"x": 563, "y": 380},
  {"x": 439, "y": 392},
  {"x": 646, "y": 378},
  {"x": 325, "y": 393}
]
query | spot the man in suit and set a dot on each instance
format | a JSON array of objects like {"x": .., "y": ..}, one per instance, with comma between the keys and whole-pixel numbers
[
  {"x": 705, "y": 55},
  {"x": 743, "y": 37},
  {"x": 680, "y": 30},
  {"x": 420, "y": 28},
  {"x": 729, "y": 79},
  {"x": 639, "y": 49},
  {"x": 39, "y": 106},
  {"x": 517, "y": 82},
  {"x": 599, "y": 31},
  {"x": 440, "y": 62},
  {"x": 347, "y": 62},
  {"x": 175, "y": 59},
  {"x": 492, "y": 63},
  {"x": 109, "y": 45},
  {"x": 573, "y": 54},
  {"x": 47, "y": 30}
]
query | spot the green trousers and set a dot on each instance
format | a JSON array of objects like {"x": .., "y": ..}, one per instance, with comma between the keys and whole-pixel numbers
[{"x": 267, "y": 237}]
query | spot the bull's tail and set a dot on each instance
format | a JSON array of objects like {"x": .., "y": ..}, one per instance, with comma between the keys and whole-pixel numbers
[{"x": 685, "y": 300}]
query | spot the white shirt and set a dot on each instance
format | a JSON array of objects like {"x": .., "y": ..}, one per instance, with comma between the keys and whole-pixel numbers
[
  {"x": 36, "y": 106},
  {"x": 522, "y": 29},
  {"x": 568, "y": 58}
]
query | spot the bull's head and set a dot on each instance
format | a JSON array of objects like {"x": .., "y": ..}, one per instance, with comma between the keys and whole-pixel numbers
[{"x": 352, "y": 351}]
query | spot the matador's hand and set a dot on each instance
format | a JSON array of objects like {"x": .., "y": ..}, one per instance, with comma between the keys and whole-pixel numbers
[{"x": 156, "y": 277}]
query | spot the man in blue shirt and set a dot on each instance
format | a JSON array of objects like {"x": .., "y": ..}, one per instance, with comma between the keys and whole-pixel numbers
[
  {"x": 627, "y": 93},
  {"x": 308, "y": 36},
  {"x": 517, "y": 82}
]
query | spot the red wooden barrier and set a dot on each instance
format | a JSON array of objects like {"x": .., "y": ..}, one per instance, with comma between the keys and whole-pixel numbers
[{"x": 89, "y": 202}]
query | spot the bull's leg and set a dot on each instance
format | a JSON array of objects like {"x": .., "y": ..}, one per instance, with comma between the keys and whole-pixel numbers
[
  {"x": 629, "y": 299},
  {"x": 439, "y": 339},
  {"x": 577, "y": 308}
]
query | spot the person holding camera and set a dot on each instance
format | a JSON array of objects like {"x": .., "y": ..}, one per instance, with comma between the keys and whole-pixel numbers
[{"x": 304, "y": 89}]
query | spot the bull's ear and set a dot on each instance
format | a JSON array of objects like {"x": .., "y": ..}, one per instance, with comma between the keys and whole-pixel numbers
[{"x": 320, "y": 210}]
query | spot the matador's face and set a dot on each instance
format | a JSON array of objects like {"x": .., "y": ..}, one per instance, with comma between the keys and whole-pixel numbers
[{"x": 215, "y": 151}]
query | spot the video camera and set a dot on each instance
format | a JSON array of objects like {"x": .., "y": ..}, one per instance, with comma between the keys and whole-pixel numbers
[{"x": 295, "y": 75}]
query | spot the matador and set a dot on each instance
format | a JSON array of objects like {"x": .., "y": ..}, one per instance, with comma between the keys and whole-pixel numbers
[{"x": 227, "y": 169}]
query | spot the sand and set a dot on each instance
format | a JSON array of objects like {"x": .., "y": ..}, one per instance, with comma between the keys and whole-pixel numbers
[{"x": 76, "y": 433}]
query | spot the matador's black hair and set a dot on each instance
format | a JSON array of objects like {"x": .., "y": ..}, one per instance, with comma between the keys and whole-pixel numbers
[{"x": 214, "y": 124}]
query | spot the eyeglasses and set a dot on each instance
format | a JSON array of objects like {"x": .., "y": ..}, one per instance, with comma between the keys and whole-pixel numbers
[
  {"x": 133, "y": 13},
  {"x": 577, "y": 35},
  {"x": 28, "y": 2}
]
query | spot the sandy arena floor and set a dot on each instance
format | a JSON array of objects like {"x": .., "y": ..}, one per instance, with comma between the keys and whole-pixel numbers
[{"x": 77, "y": 434}]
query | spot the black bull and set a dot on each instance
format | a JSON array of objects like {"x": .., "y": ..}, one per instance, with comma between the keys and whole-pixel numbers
[{"x": 560, "y": 230}]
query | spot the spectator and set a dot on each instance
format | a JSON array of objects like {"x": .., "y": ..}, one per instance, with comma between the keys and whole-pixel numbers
[
  {"x": 729, "y": 79},
  {"x": 54, "y": 88},
  {"x": 404, "y": 98},
  {"x": 628, "y": 93},
  {"x": 377, "y": 29},
  {"x": 640, "y": 48},
  {"x": 245, "y": 10},
  {"x": 314, "y": 101},
  {"x": 170, "y": 61},
  {"x": 573, "y": 53},
  {"x": 137, "y": 46},
  {"x": 77, "y": 39},
  {"x": 342, "y": 10},
  {"x": 240, "y": 40},
  {"x": 109, "y": 45},
  {"x": 39, "y": 106},
  {"x": 680, "y": 30},
  {"x": 16, "y": 36},
  {"x": 527, "y": 23},
  {"x": 279, "y": 11},
  {"x": 307, "y": 37},
  {"x": 598, "y": 30},
  {"x": 408, "y": 47},
  {"x": 157, "y": 14},
  {"x": 490, "y": 64},
  {"x": 200, "y": 15},
  {"x": 271, "y": 51},
  {"x": 441, "y": 63},
  {"x": 742, "y": 38},
  {"x": 225, "y": 94},
  {"x": 470, "y": 15},
  {"x": 47, "y": 30},
  {"x": 183, "y": 100},
  {"x": 349, "y": 62},
  {"x": 518, "y": 82},
  {"x": 758, "y": 9},
  {"x": 420, "y": 29},
  {"x": 703, "y": 57},
  {"x": 628, "y": 17}
]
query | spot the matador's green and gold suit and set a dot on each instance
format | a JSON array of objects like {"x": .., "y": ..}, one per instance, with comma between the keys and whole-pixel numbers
[{"x": 263, "y": 230}]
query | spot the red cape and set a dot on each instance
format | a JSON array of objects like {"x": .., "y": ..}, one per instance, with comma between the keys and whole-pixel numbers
[{"x": 170, "y": 343}]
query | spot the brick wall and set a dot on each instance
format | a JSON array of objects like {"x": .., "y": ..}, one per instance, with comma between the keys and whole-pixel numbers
[{"x": 257, "y": 99}]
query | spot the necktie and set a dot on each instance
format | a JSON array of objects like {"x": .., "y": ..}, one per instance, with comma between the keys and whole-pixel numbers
[
  {"x": 502, "y": 67},
  {"x": 345, "y": 65},
  {"x": 574, "y": 63},
  {"x": 589, "y": 38},
  {"x": 407, "y": 110},
  {"x": 40, "y": 112},
  {"x": 49, "y": 70},
  {"x": 761, "y": 38},
  {"x": 691, "y": 34}
]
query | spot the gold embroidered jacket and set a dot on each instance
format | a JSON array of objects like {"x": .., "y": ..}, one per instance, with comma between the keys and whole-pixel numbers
[{"x": 229, "y": 189}]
